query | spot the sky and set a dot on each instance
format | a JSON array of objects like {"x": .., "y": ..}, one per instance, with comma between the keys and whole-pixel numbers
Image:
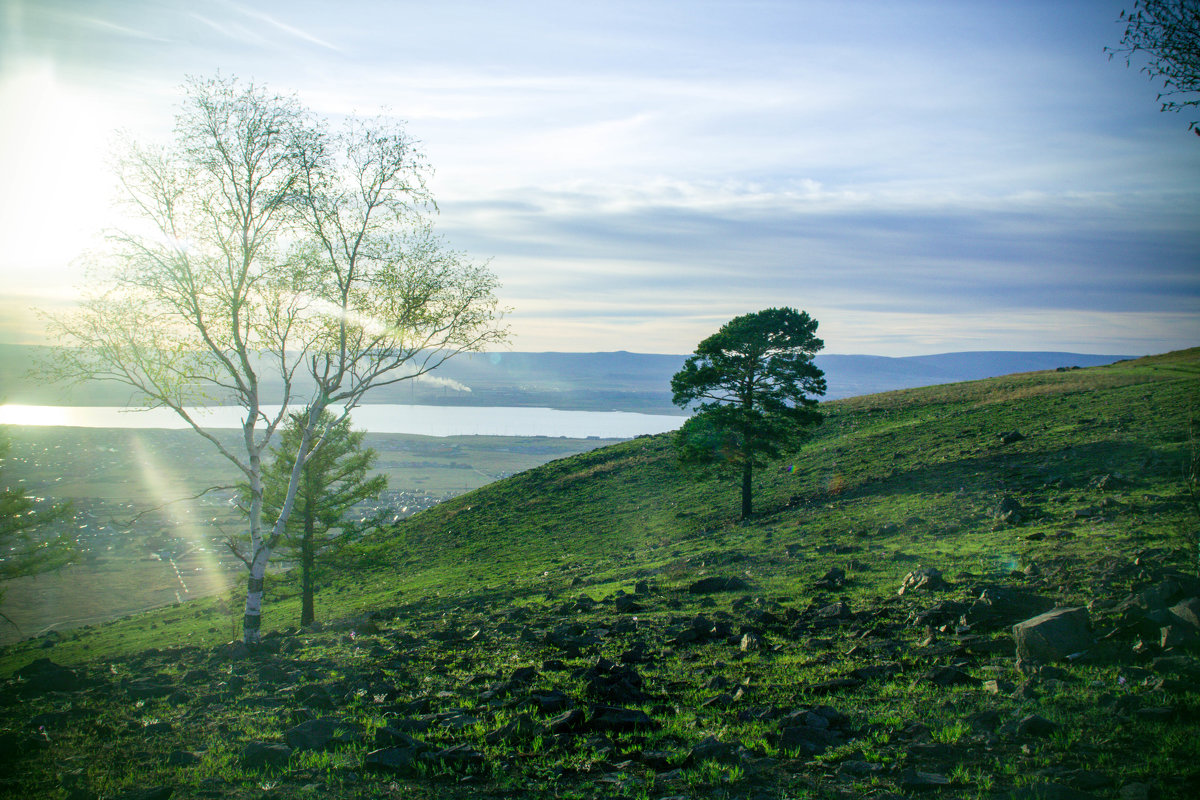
[{"x": 921, "y": 177}]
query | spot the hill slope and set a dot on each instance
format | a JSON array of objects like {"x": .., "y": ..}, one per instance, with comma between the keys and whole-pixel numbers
[{"x": 603, "y": 626}]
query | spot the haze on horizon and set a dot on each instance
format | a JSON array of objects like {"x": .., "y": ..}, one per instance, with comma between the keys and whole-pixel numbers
[{"x": 920, "y": 176}]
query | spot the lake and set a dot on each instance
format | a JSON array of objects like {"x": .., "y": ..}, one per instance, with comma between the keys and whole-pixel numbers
[{"x": 381, "y": 418}]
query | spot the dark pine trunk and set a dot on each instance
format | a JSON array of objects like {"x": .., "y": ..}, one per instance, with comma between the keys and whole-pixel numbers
[
  {"x": 307, "y": 612},
  {"x": 747, "y": 475}
]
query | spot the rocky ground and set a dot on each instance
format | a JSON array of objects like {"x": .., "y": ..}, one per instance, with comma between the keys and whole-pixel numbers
[{"x": 953, "y": 686}]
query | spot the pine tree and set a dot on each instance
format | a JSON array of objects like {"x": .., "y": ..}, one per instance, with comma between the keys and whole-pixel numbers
[
  {"x": 333, "y": 480},
  {"x": 752, "y": 380}
]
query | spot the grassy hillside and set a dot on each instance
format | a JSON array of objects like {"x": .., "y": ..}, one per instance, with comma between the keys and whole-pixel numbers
[{"x": 549, "y": 635}]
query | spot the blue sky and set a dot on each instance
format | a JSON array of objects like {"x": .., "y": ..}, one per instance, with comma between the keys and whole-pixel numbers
[{"x": 921, "y": 177}]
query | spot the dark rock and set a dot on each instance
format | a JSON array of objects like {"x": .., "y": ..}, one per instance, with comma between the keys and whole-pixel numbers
[
  {"x": 460, "y": 757},
  {"x": 913, "y": 781},
  {"x": 401, "y": 760},
  {"x": 1034, "y": 725},
  {"x": 709, "y": 749},
  {"x": 612, "y": 718},
  {"x": 613, "y": 683},
  {"x": 153, "y": 793},
  {"x": 43, "y": 675},
  {"x": 1177, "y": 636},
  {"x": 1053, "y": 635},
  {"x": 550, "y": 702},
  {"x": 925, "y": 579},
  {"x": 835, "y": 611},
  {"x": 807, "y": 740},
  {"x": 949, "y": 676},
  {"x": 1188, "y": 612},
  {"x": 571, "y": 721},
  {"x": 325, "y": 733},
  {"x": 1155, "y": 714},
  {"x": 183, "y": 758},
  {"x": 835, "y": 578},
  {"x": 626, "y": 604},
  {"x": 1009, "y": 437},
  {"x": 833, "y": 685},
  {"x": 393, "y": 735},
  {"x": 265, "y": 754},
  {"x": 998, "y": 606},
  {"x": 520, "y": 729},
  {"x": 1009, "y": 511},
  {"x": 875, "y": 672},
  {"x": 1050, "y": 791},
  {"x": 718, "y": 584}
]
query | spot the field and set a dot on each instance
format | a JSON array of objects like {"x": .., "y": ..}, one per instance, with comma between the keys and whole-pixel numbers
[
  {"x": 604, "y": 626},
  {"x": 148, "y": 541}
]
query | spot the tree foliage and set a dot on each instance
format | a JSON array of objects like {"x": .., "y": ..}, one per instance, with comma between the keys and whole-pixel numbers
[
  {"x": 269, "y": 252},
  {"x": 333, "y": 480},
  {"x": 1167, "y": 34},
  {"x": 752, "y": 383},
  {"x": 27, "y": 545}
]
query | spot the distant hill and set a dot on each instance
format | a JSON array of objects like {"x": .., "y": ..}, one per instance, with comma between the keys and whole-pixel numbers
[{"x": 619, "y": 381}]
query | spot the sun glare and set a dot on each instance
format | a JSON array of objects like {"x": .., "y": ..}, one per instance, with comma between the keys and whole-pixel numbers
[{"x": 16, "y": 414}]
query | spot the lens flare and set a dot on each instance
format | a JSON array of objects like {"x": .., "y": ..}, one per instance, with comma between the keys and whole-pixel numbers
[{"x": 184, "y": 514}]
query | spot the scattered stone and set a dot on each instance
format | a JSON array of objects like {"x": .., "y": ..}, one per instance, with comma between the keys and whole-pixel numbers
[
  {"x": 833, "y": 685},
  {"x": 751, "y": 641},
  {"x": 1009, "y": 437},
  {"x": 1155, "y": 713},
  {"x": 265, "y": 754},
  {"x": 43, "y": 675},
  {"x": 835, "y": 611},
  {"x": 613, "y": 683},
  {"x": 860, "y": 769},
  {"x": 913, "y": 781},
  {"x": 1050, "y": 791},
  {"x": 521, "y": 729},
  {"x": 945, "y": 677},
  {"x": 718, "y": 584},
  {"x": 460, "y": 757},
  {"x": 626, "y": 604},
  {"x": 1187, "y": 612},
  {"x": 323, "y": 734},
  {"x": 1053, "y": 635},
  {"x": 1009, "y": 511},
  {"x": 926, "y": 579},
  {"x": 835, "y": 578},
  {"x": 396, "y": 759},
  {"x": 1038, "y": 726},
  {"x": 806, "y": 740},
  {"x": 619, "y": 720},
  {"x": 709, "y": 749},
  {"x": 153, "y": 793},
  {"x": 571, "y": 721},
  {"x": 183, "y": 758},
  {"x": 1135, "y": 791}
]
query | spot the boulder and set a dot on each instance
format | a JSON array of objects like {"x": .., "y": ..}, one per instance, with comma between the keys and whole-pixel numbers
[
  {"x": 1009, "y": 510},
  {"x": 925, "y": 579},
  {"x": 1053, "y": 635},
  {"x": 1188, "y": 612}
]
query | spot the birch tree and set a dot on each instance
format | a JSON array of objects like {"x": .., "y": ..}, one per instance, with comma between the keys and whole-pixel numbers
[{"x": 272, "y": 263}]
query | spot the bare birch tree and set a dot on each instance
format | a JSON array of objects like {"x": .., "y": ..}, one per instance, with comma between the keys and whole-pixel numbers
[{"x": 270, "y": 254}]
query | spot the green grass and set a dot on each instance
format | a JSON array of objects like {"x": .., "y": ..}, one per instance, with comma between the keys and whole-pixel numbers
[{"x": 888, "y": 482}]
